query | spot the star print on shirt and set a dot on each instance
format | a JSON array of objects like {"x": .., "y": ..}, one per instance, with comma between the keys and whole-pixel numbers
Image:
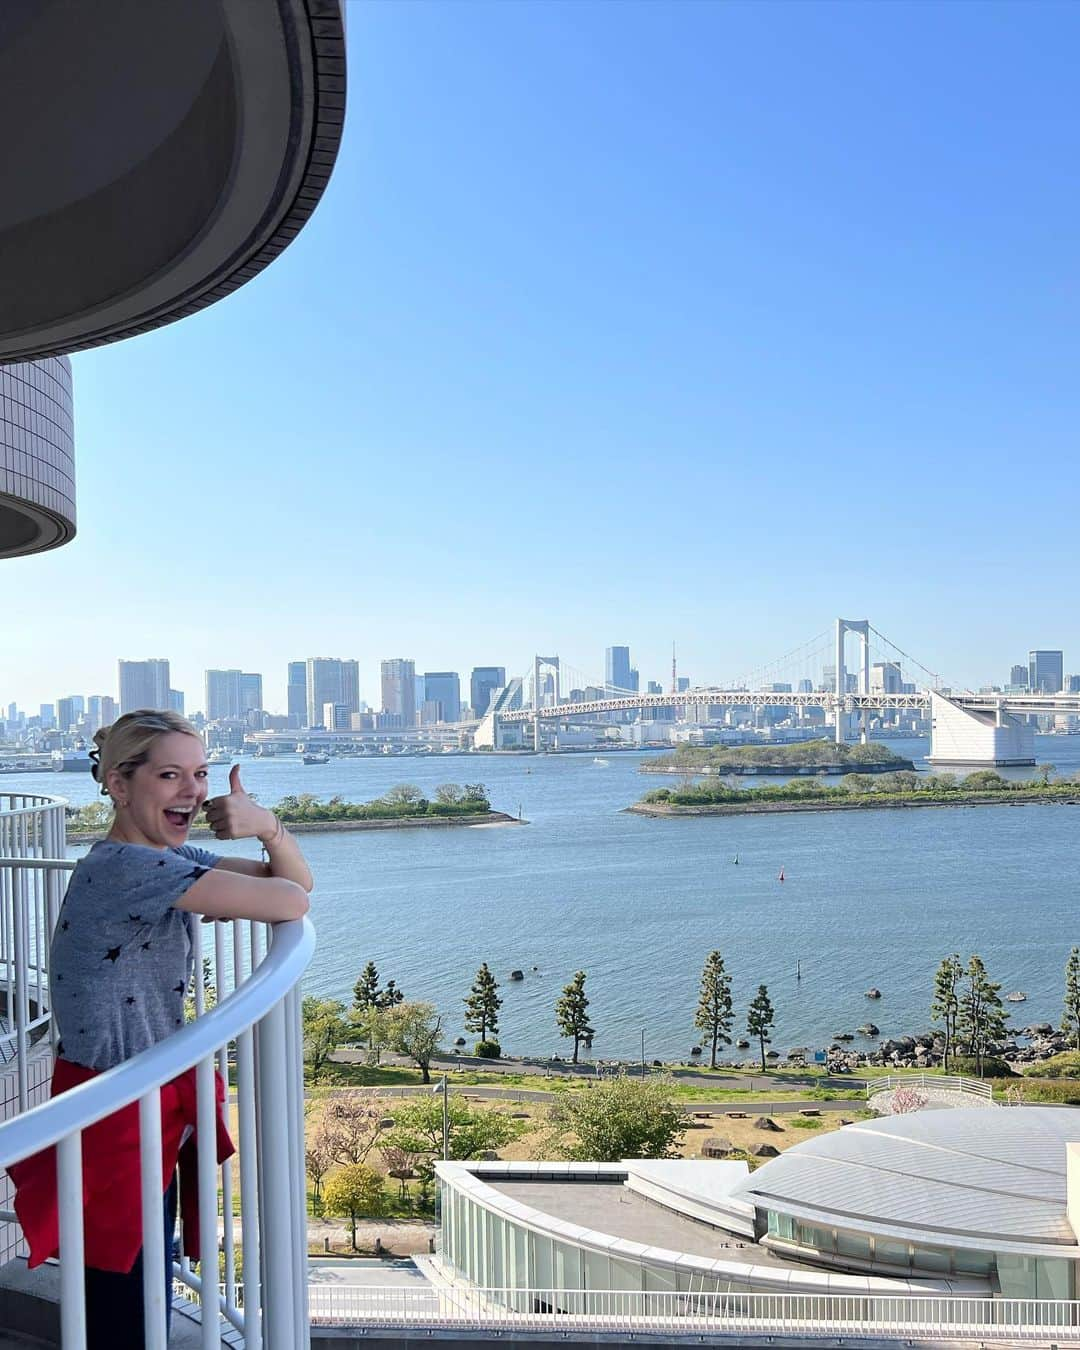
[
  {"x": 135, "y": 918},
  {"x": 113, "y": 955},
  {"x": 146, "y": 946},
  {"x": 178, "y": 988},
  {"x": 129, "y": 1001},
  {"x": 66, "y": 925},
  {"x": 161, "y": 863}
]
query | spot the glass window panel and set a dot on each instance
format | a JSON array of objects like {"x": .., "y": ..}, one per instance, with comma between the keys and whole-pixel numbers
[
  {"x": 1053, "y": 1278},
  {"x": 625, "y": 1274},
  {"x": 567, "y": 1266},
  {"x": 807, "y": 1235},
  {"x": 597, "y": 1274},
  {"x": 519, "y": 1277},
  {"x": 1016, "y": 1275},
  {"x": 933, "y": 1259},
  {"x": 660, "y": 1279},
  {"x": 497, "y": 1247},
  {"x": 781, "y": 1225},
  {"x": 853, "y": 1245},
  {"x": 973, "y": 1263},
  {"x": 543, "y": 1272},
  {"x": 889, "y": 1253}
]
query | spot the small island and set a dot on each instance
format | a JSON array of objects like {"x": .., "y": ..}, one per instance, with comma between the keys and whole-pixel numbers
[
  {"x": 858, "y": 792},
  {"x": 400, "y": 807},
  {"x": 799, "y": 757}
]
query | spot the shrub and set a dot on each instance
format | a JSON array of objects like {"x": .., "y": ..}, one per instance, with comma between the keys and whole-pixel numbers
[
  {"x": 487, "y": 1050},
  {"x": 1065, "y": 1065},
  {"x": 965, "y": 1067}
]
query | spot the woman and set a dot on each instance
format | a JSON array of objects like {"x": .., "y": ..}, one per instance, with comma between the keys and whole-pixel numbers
[{"x": 121, "y": 964}]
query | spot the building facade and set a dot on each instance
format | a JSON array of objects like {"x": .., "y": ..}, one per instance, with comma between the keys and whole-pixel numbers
[
  {"x": 443, "y": 687},
  {"x": 330, "y": 680},
  {"x": 296, "y": 694},
  {"x": 398, "y": 678},
  {"x": 144, "y": 684},
  {"x": 483, "y": 682},
  {"x": 37, "y": 456},
  {"x": 1046, "y": 671},
  {"x": 617, "y": 674}
]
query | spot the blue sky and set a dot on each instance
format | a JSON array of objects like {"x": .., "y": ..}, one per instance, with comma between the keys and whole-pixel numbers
[{"x": 618, "y": 323}]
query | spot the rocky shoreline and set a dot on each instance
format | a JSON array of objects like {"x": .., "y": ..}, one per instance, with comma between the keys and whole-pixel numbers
[
  {"x": 778, "y": 770},
  {"x": 860, "y": 803},
  {"x": 345, "y": 826}
]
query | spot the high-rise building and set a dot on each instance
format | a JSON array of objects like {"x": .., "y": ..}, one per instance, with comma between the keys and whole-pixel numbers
[
  {"x": 144, "y": 684},
  {"x": 232, "y": 694},
  {"x": 806, "y": 686},
  {"x": 399, "y": 690},
  {"x": 885, "y": 678},
  {"x": 654, "y": 687},
  {"x": 336, "y": 717},
  {"x": 1072, "y": 684},
  {"x": 617, "y": 670},
  {"x": 100, "y": 712},
  {"x": 176, "y": 701},
  {"x": 1046, "y": 672},
  {"x": 66, "y": 713},
  {"x": 47, "y": 713},
  {"x": 444, "y": 688},
  {"x": 682, "y": 684},
  {"x": 1018, "y": 677},
  {"x": 483, "y": 682},
  {"x": 251, "y": 692},
  {"x": 330, "y": 680},
  {"x": 296, "y": 694}
]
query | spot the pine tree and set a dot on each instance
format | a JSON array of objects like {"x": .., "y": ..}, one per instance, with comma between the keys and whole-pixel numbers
[
  {"x": 1070, "y": 1022},
  {"x": 482, "y": 1005},
  {"x": 760, "y": 1019},
  {"x": 572, "y": 1013},
  {"x": 981, "y": 1018},
  {"x": 714, "y": 1015},
  {"x": 946, "y": 1004},
  {"x": 366, "y": 988}
]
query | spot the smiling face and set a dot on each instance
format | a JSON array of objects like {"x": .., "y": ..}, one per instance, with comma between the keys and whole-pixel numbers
[{"x": 157, "y": 803}]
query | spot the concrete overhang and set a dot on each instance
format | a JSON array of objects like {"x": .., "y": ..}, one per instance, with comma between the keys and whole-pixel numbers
[{"x": 156, "y": 156}]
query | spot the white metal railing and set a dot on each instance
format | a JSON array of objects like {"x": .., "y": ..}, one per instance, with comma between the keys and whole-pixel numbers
[
  {"x": 616, "y": 1311},
  {"x": 251, "y": 1036},
  {"x": 931, "y": 1082}
]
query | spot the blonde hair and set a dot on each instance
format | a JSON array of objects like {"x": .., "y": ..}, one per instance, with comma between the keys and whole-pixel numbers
[{"x": 126, "y": 744}]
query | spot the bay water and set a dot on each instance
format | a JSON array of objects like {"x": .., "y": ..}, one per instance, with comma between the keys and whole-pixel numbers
[{"x": 870, "y": 898}]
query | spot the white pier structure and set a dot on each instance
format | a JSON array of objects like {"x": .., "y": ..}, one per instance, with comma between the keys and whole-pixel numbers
[{"x": 967, "y": 728}]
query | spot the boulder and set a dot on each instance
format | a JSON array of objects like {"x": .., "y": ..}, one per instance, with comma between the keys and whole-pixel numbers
[
  {"x": 868, "y": 1029},
  {"x": 873, "y": 993},
  {"x": 518, "y": 974},
  {"x": 766, "y": 1123},
  {"x": 460, "y": 1040},
  {"x": 695, "y": 1049},
  {"x": 764, "y": 1150},
  {"x": 716, "y": 1147}
]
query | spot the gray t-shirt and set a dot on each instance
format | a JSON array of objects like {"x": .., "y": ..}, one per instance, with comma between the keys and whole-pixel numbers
[{"x": 121, "y": 954}]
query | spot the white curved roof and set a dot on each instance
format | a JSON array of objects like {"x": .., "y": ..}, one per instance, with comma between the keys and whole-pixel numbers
[{"x": 966, "y": 1178}]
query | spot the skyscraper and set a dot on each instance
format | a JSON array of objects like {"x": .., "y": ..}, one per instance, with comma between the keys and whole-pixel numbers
[
  {"x": 399, "y": 690},
  {"x": 66, "y": 713},
  {"x": 251, "y": 692},
  {"x": 1018, "y": 676},
  {"x": 482, "y": 684},
  {"x": 1046, "y": 670},
  {"x": 331, "y": 680},
  {"x": 296, "y": 693},
  {"x": 444, "y": 687},
  {"x": 144, "y": 684},
  {"x": 617, "y": 670}
]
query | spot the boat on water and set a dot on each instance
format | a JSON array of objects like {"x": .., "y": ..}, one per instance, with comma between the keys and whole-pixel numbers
[
  {"x": 598, "y": 760},
  {"x": 1017, "y": 996},
  {"x": 316, "y": 757},
  {"x": 219, "y": 757},
  {"x": 781, "y": 876}
]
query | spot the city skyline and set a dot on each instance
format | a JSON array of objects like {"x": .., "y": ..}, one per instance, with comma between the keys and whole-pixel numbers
[{"x": 783, "y": 300}]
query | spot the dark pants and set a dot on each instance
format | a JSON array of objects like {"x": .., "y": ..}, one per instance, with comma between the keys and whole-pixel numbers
[{"x": 114, "y": 1303}]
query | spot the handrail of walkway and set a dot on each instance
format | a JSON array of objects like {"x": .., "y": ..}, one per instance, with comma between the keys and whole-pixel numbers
[
  {"x": 255, "y": 970},
  {"x": 806, "y": 1316},
  {"x": 931, "y": 1082}
]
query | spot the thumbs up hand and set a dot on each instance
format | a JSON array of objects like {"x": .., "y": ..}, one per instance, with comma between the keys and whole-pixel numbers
[{"x": 238, "y": 816}]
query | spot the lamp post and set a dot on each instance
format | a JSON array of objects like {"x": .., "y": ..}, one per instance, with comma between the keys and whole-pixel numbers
[
  {"x": 443, "y": 1087},
  {"x": 643, "y": 1052}
]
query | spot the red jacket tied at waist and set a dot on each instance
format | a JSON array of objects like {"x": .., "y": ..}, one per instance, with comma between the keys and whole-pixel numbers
[{"x": 112, "y": 1190}]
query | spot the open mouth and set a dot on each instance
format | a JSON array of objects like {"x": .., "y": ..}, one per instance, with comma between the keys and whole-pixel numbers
[{"x": 180, "y": 817}]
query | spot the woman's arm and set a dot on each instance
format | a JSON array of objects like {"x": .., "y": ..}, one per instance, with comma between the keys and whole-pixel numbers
[{"x": 224, "y": 894}]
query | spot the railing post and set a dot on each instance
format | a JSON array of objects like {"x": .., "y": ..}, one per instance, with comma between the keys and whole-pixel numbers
[
  {"x": 154, "y": 1254},
  {"x": 275, "y": 1217},
  {"x": 69, "y": 1194}
]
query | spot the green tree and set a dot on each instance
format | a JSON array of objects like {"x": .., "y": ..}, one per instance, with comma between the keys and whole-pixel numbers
[
  {"x": 412, "y": 1029},
  {"x": 366, "y": 989},
  {"x": 1070, "y": 1022},
  {"x": 946, "y": 1003},
  {"x": 418, "y": 1125},
  {"x": 572, "y": 1013},
  {"x": 714, "y": 1016},
  {"x": 482, "y": 1005},
  {"x": 618, "y": 1118},
  {"x": 981, "y": 1018},
  {"x": 356, "y": 1192},
  {"x": 760, "y": 1019},
  {"x": 324, "y": 1029},
  {"x": 449, "y": 794}
]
